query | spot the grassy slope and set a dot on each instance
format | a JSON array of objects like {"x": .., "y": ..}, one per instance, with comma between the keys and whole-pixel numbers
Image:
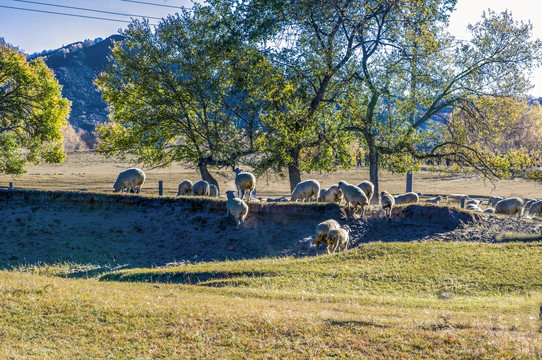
[{"x": 380, "y": 301}]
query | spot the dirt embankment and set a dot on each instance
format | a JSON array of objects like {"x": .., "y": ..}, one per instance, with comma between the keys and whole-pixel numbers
[{"x": 134, "y": 231}]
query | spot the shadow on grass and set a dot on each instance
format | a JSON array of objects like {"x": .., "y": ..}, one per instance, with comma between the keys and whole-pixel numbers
[
  {"x": 355, "y": 324},
  {"x": 204, "y": 278}
]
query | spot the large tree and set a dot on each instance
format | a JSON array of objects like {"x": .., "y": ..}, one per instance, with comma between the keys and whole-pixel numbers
[
  {"x": 387, "y": 68},
  {"x": 176, "y": 93},
  {"x": 32, "y": 112}
]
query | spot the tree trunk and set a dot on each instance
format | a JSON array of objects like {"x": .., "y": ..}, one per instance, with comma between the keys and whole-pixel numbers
[
  {"x": 293, "y": 170},
  {"x": 205, "y": 174},
  {"x": 373, "y": 166}
]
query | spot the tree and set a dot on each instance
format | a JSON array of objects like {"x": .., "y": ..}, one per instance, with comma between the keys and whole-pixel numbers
[
  {"x": 32, "y": 112},
  {"x": 177, "y": 94}
]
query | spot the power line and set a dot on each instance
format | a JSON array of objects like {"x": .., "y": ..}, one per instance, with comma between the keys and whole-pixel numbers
[
  {"x": 148, "y": 3},
  {"x": 84, "y": 9},
  {"x": 65, "y": 14}
]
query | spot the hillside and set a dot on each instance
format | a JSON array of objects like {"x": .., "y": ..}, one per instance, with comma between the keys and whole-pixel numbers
[{"x": 76, "y": 66}]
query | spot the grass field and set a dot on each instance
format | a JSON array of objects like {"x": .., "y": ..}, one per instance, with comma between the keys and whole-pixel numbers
[
  {"x": 379, "y": 301},
  {"x": 396, "y": 300},
  {"x": 90, "y": 171}
]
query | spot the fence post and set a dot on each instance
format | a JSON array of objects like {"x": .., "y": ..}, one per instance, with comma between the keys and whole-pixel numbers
[
  {"x": 11, "y": 186},
  {"x": 160, "y": 188},
  {"x": 409, "y": 180}
]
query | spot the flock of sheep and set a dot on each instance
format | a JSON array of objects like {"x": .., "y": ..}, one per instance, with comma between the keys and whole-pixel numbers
[{"x": 356, "y": 197}]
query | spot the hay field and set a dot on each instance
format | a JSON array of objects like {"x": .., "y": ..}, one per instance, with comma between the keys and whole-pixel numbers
[{"x": 87, "y": 170}]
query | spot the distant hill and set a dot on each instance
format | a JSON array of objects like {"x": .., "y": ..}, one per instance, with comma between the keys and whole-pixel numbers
[{"x": 76, "y": 67}]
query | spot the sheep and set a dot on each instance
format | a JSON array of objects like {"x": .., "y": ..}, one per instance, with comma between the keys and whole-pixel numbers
[
  {"x": 213, "y": 190},
  {"x": 236, "y": 207},
  {"x": 510, "y": 206},
  {"x": 368, "y": 188},
  {"x": 489, "y": 211},
  {"x": 331, "y": 195},
  {"x": 456, "y": 197},
  {"x": 322, "y": 230},
  {"x": 474, "y": 207},
  {"x": 132, "y": 180},
  {"x": 185, "y": 188},
  {"x": 478, "y": 203},
  {"x": 338, "y": 238},
  {"x": 529, "y": 202},
  {"x": 306, "y": 190},
  {"x": 387, "y": 201},
  {"x": 492, "y": 200},
  {"x": 355, "y": 196},
  {"x": 201, "y": 188},
  {"x": 435, "y": 200},
  {"x": 408, "y": 198},
  {"x": 244, "y": 182},
  {"x": 535, "y": 208},
  {"x": 281, "y": 199}
]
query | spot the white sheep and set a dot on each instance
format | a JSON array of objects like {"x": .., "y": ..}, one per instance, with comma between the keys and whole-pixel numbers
[
  {"x": 457, "y": 197},
  {"x": 528, "y": 204},
  {"x": 387, "y": 201},
  {"x": 489, "y": 211},
  {"x": 132, "y": 180},
  {"x": 354, "y": 196},
  {"x": 201, "y": 188},
  {"x": 306, "y": 190},
  {"x": 185, "y": 188},
  {"x": 244, "y": 182},
  {"x": 510, "y": 206},
  {"x": 331, "y": 195},
  {"x": 475, "y": 202},
  {"x": 408, "y": 198},
  {"x": 236, "y": 207},
  {"x": 474, "y": 207},
  {"x": 436, "y": 200},
  {"x": 322, "y": 230},
  {"x": 213, "y": 190},
  {"x": 368, "y": 188},
  {"x": 338, "y": 238},
  {"x": 492, "y": 200},
  {"x": 535, "y": 208}
]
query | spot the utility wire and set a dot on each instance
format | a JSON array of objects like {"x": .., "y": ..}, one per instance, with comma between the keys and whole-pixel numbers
[
  {"x": 148, "y": 3},
  {"x": 65, "y": 14},
  {"x": 84, "y": 9}
]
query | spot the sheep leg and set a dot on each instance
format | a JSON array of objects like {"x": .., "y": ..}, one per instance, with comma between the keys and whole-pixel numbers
[{"x": 317, "y": 247}]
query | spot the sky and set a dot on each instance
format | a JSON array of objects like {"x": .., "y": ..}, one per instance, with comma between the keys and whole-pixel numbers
[{"x": 36, "y": 31}]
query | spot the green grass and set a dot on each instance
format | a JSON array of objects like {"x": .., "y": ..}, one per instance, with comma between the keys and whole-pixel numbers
[{"x": 380, "y": 301}]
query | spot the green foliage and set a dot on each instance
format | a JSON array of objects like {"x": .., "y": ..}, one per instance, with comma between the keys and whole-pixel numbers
[
  {"x": 33, "y": 112},
  {"x": 172, "y": 92}
]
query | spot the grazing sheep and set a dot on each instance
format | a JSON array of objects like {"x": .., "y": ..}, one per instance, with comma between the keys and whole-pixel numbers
[
  {"x": 322, "y": 230},
  {"x": 354, "y": 196},
  {"x": 213, "y": 190},
  {"x": 474, "y": 207},
  {"x": 185, "y": 188},
  {"x": 201, "y": 188},
  {"x": 528, "y": 203},
  {"x": 408, "y": 198},
  {"x": 236, "y": 207},
  {"x": 132, "y": 180},
  {"x": 435, "y": 200},
  {"x": 510, "y": 206},
  {"x": 368, "y": 188},
  {"x": 456, "y": 197},
  {"x": 244, "y": 182},
  {"x": 281, "y": 199},
  {"x": 331, "y": 195},
  {"x": 535, "y": 208},
  {"x": 474, "y": 202},
  {"x": 306, "y": 190},
  {"x": 338, "y": 238},
  {"x": 387, "y": 201},
  {"x": 492, "y": 200}
]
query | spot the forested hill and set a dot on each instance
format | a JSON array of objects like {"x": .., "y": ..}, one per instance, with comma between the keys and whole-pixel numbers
[{"x": 76, "y": 67}]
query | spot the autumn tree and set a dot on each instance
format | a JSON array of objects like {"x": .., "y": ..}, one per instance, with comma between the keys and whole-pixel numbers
[
  {"x": 176, "y": 93},
  {"x": 32, "y": 112}
]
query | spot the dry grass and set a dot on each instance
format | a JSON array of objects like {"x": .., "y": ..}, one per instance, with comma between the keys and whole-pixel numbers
[
  {"x": 90, "y": 171},
  {"x": 245, "y": 318}
]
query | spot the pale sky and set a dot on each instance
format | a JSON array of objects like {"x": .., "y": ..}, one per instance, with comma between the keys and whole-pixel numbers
[{"x": 34, "y": 32}]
